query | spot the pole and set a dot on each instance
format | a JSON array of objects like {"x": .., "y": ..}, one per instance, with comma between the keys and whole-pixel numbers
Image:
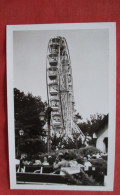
[
  {"x": 48, "y": 137},
  {"x": 48, "y": 116},
  {"x": 18, "y": 147},
  {"x": 76, "y": 143}
]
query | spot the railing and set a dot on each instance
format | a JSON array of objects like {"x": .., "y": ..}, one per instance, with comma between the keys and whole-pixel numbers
[
  {"x": 56, "y": 40},
  {"x": 65, "y": 61},
  {"x": 45, "y": 178},
  {"x": 53, "y": 82},
  {"x": 52, "y": 74},
  {"x": 54, "y": 99},
  {"x": 77, "y": 129},
  {"x": 54, "y": 108},
  {"x": 54, "y": 113},
  {"x": 54, "y": 45},
  {"x": 53, "y": 87},
  {"x": 57, "y": 123},
  {"x": 53, "y": 55},
  {"x": 54, "y": 51},
  {"x": 55, "y": 103},
  {"x": 53, "y": 92},
  {"x": 53, "y": 62},
  {"x": 63, "y": 46}
]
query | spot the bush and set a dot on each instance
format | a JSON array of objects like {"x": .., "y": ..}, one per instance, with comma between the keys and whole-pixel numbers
[
  {"x": 89, "y": 150},
  {"x": 70, "y": 156},
  {"x": 100, "y": 165},
  {"x": 80, "y": 160},
  {"x": 104, "y": 157},
  {"x": 81, "y": 179}
]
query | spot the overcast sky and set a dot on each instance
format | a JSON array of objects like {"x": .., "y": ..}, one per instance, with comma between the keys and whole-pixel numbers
[{"x": 89, "y": 53}]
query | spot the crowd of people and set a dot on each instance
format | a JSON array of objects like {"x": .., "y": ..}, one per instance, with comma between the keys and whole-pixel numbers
[{"x": 61, "y": 160}]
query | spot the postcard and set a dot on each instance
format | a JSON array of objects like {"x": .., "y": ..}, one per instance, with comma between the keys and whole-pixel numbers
[{"x": 61, "y": 91}]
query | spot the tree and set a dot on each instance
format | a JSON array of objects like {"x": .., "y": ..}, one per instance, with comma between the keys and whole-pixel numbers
[
  {"x": 27, "y": 110},
  {"x": 66, "y": 143},
  {"x": 91, "y": 125},
  {"x": 33, "y": 147},
  {"x": 78, "y": 116}
]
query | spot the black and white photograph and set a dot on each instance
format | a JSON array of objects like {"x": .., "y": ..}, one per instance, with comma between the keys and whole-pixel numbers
[{"x": 61, "y": 88}]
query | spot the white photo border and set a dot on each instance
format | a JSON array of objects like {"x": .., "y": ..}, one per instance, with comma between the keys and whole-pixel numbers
[{"x": 111, "y": 26}]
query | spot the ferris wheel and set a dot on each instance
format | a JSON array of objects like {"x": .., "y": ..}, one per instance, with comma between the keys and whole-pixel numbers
[{"x": 60, "y": 88}]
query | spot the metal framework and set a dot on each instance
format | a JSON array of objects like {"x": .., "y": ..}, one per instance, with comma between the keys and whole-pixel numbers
[{"x": 60, "y": 88}]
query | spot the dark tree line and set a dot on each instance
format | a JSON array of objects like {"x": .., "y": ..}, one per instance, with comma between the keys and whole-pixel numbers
[
  {"x": 27, "y": 110},
  {"x": 91, "y": 125}
]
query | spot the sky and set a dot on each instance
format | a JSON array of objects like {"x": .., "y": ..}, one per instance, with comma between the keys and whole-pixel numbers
[{"x": 89, "y": 53}]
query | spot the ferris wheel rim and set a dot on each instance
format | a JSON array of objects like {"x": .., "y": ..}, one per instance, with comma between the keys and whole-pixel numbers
[{"x": 57, "y": 56}]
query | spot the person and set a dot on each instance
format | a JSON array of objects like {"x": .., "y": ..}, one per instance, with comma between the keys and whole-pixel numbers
[
  {"x": 98, "y": 155},
  {"x": 73, "y": 163},
  {"x": 87, "y": 164},
  {"x": 45, "y": 162},
  {"x": 37, "y": 162},
  {"x": 50, "y": 160},
  {"x": 21, "y": 166},
  {"x": 89, "y": 156},
  {"x": 17, "y": 163},
  {"x": 93, "y": 156},
  {"x": 55, "y": 163},
  {"x": 26, "y": 162},
  {"x": 61, "y": 162}
]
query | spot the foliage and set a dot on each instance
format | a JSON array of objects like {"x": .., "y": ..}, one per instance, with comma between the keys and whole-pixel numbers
[
  {"x": 55, "y": 141},
  {"x": 80, "y": 160},
  {"x": 89, "y": 150},
  {"x": 27, "y": 110},
  {"x": 70, "y": 156},
  {"x": 81, "y": 179},
  {"x": 68, "y": 143},
  {"x": 105, "y": 157},
  {"x": 33, "y": 147},
  {"x": 91, "y": 125},
  {"x": 100, "y": 165},
  {"x": 77, "y": 118},
  {"x": 88, "y": 180}
]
